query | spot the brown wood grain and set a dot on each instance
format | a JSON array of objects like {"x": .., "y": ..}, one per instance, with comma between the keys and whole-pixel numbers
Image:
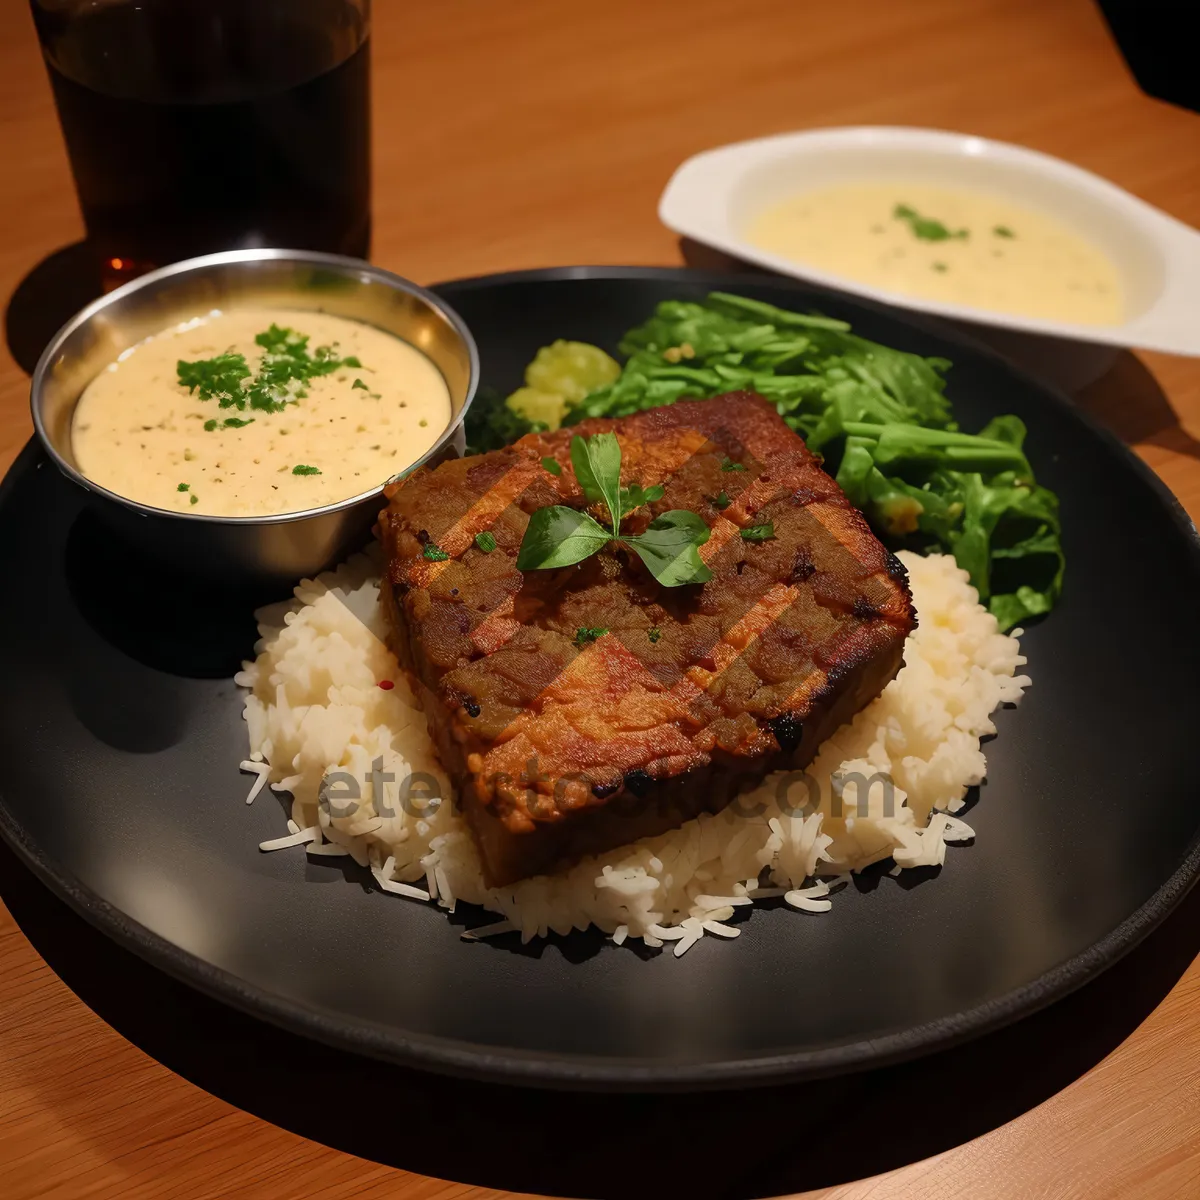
[{"x": 534, "y": 134}]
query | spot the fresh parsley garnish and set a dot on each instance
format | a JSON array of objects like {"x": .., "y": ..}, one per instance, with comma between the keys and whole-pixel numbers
[
  {"x": 634, "y": 496},
  {"x": 729, "y": 465},
  {"x": 286, "y": 366},
  {"x": 558, "y": 536},
  {"x": 759, "y": 533},
  {"x": 1003, "y": 231},
  {"x": 362, "y": 387},
  {"x": 586, "y": 634},
  {"x": 721, "y": 500},
  {"x": 194, "y": 499},
  {"x": 183, "y": 487},
  {"x": 237, "y": 422},
  {"x": 670, "y": 548},
  {"x": 218, "y": 378},
  {"x": 926, "y": 228},
  {"x": 552, "y": 465},
  {"x": 210, "y": 425},
  {"x": 485, "y": 542},
  {"x": 305, "y": 470},
  {"x": 434, "y": 553},
  {"x": 654, "y": 634},
  {"x": 287, "y": 360}
]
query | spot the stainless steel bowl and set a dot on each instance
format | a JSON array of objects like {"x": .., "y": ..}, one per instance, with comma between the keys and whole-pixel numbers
[{"x": 277, "y": 549}]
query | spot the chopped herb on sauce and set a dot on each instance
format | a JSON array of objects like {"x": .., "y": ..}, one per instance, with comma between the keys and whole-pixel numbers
[
  {"x": 194, "y": 498},
  {"x": 358, "y": 385},
  {"x": 435, "y": 553},
  {"x": 485, "y": 542},
  {"x": 209, "y": 426},
  {"x": 183, "y": 487},
  {"x": 305, "y": 470},
  {"x": 587, "y": 634},
  {"x": 926, "y": 228},
  {"x": 1003, "y": 231},
  {"x": 552, "y": 465},
  {"x": 654, "y": 634},
  {"x": 286, "y": 366},
  {"x": 220, "y": 378},
  {"x": 730, "y": 465},
  {"x": 721, "y": 500}
]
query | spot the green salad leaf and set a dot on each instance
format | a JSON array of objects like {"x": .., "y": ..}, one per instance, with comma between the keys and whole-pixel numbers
[{"x": 879, "y": 417}]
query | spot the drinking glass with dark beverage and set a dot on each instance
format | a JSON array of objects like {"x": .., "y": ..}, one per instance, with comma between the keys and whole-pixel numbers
[{"x": 202, "y": 125}]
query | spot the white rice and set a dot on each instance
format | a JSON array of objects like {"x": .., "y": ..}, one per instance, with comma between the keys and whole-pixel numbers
[{"x": 315, "y": 706}]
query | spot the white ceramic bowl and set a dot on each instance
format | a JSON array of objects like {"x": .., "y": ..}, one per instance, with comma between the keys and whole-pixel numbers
[{"x": 713, "y": 197}]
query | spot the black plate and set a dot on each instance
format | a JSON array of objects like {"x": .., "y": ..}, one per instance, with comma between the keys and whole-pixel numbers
[{"x": 120, "y": 733}]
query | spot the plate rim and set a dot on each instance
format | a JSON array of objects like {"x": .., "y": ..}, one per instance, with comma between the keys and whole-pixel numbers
[{"x": 575, "y": 1072}]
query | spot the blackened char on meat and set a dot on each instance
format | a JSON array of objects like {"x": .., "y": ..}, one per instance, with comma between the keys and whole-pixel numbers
[{"x": 694, "y": 693}]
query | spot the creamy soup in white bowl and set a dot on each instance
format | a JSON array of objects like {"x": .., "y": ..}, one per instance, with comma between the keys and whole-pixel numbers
[
  {"x": 956, "y": 245},
  {"x": 919, "y": 218}
]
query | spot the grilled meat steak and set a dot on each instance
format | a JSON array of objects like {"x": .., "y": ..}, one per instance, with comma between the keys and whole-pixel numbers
[{"x": 563, "y": 747}]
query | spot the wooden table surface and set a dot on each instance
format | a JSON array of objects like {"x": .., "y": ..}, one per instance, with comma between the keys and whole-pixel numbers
[{"x": 535, "y": 134}]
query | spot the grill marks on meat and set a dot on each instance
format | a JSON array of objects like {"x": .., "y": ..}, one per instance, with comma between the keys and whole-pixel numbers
[{"x": 694, "y": 692}]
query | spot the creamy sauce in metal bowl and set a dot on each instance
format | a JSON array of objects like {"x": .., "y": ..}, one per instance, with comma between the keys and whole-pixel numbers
[
  {"x": 949, "y": 244},
  {"x": 257, "y": 412}
]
